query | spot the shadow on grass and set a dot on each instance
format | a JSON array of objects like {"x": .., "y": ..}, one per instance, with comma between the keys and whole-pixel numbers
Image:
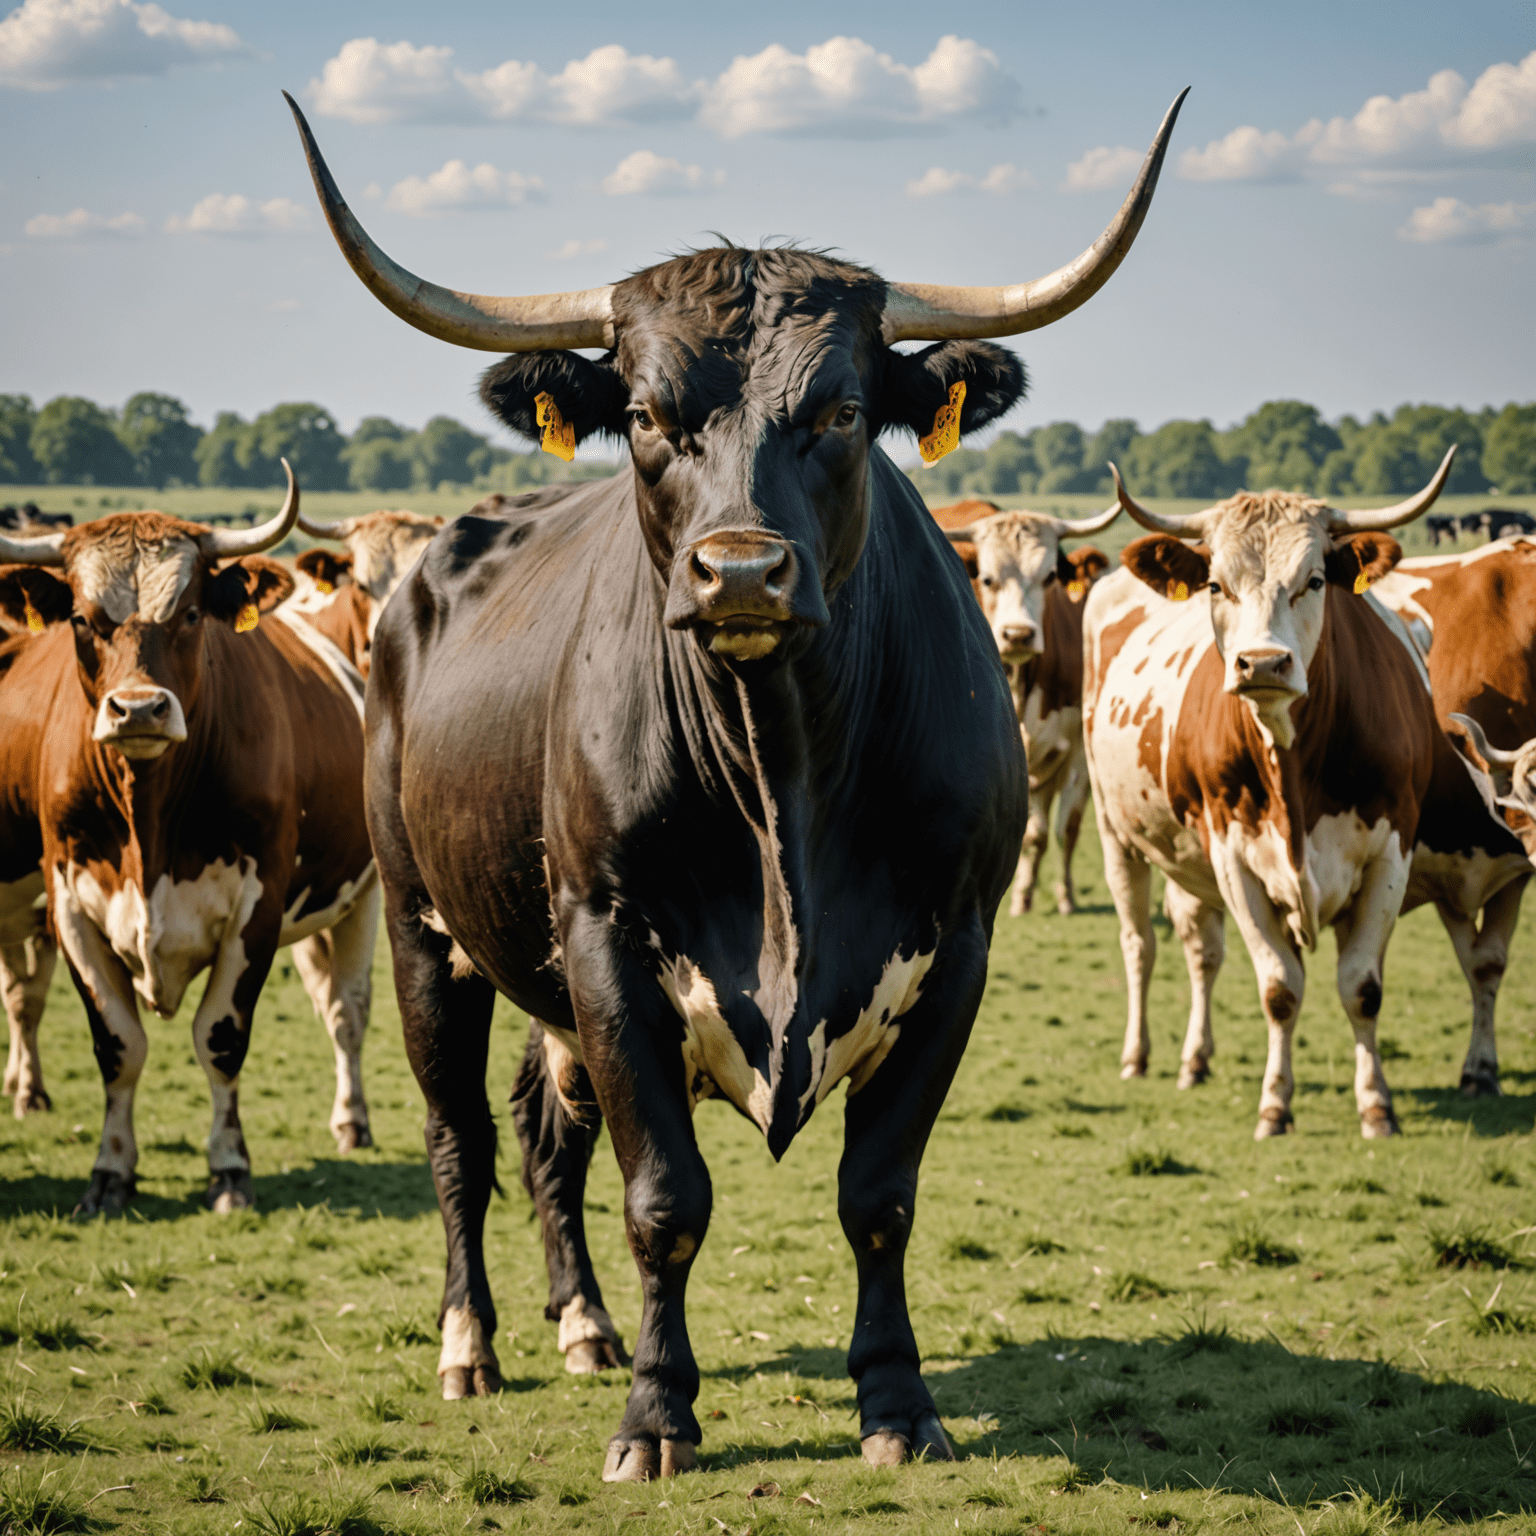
[
  {"x": 1209, "y": 1410},
  {"x": 1512, "y": 1115}
]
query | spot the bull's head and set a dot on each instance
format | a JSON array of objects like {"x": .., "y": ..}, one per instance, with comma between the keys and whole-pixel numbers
[
  {"x": 1018, "y": 555},
  {"x": 141, "y": 591},
  {"x": 381, "y": 549},
  {"x": 1265, "y": 560},
  {"x": 750, "y": 386}
]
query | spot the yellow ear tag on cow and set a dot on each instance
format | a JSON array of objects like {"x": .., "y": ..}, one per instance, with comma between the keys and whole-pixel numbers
[
  {"x": 34, "y": 618},
  {"x": 1179, "y": 592},
  {"x": 559, "y": 434},
  {"x": 324, "y": 588},
  {"x": 1075, "y": 589},
  {"x": 248, "y": 620},
  {"x": 1362, "y": 581},
  {"x": 945, "y": 437}
]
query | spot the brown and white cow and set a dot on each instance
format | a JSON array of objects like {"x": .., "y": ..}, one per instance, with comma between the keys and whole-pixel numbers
[
  {"x": 1031, "y": 590},
  {"x": 197, "y": 787},
  {"x": 1270, "y": 745},
  {"x": 341, "y": 594}
]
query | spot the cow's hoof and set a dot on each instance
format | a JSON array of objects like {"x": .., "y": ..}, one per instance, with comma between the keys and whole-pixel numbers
[
  {"x": 586, "y": 1357},
  {"x": 1273, "y": 1122},
  {"x": 929, "y": 1442},
  {"x": 1474, "y": 1085},
  {"x": 1018, "y": 907},
  {"x": 1194, "y": 1072},
  {"x": 1066, "y": 907},
  {"x": 107, "y": 1194},
  {"x": 638, "y": 1461},
  {"x": 230, "y": 1190},
  {"x": 1132, "y": 1069},
  {"x": 885, "y": 1448},
  {"x": 470, "y": 1381},
  {"x": 1378, "y": 1122},
  {"x": 350, "y": 1137},
  {"x": 37, "y": 1099}
]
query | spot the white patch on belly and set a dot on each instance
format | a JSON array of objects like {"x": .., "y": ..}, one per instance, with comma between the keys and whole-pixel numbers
[
  {"x": 712, "y": 1056},
  {"x": 857, "y": 1054},
  {"x": 167, "y": 939},
  {"x": 1463, "y": 884},
  {"x": 352, "y": 891}
]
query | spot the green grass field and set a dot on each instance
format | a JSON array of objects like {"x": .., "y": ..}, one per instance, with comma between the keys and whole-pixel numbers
[{"x": 1133, "y": 1317}]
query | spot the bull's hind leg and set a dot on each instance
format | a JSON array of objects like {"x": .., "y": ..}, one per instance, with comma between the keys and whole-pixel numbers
[
  {"x": 886, "y": 1127},
  {"x": 26, "y": 969},
  {"x": 1201, "y": 930},
  {"x": 555, "y": 1111},
  {"x": 1069, "y": 824},
  {"x": 1129, "y": 878},
  {"x": 1037, "y": 831},
  {"x": 1483, "y": 951},
  {"x": 335, "y": 966}
]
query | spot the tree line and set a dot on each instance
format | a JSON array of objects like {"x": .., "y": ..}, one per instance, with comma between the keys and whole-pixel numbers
[{"x": 1284, "y": 445}]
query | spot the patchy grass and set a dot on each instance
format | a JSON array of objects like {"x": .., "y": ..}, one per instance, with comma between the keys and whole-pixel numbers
[{"x": 1091, "y": 1334}]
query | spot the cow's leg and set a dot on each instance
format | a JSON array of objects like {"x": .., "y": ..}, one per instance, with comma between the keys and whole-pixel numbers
[
  {"x": 1037, "y": 831},
  {"x": 1201, "y": 929},
  {"x": 1069, "y": 823},
  {"x": 26, "y": 969},
  {"x": 1483, "y": 951},
  {"x": 886, "y": 1127},
  {"x": 335, "y": 966},
  {"x": 555, "y": 1112},
  {"x": 1362, "y": 935},
  {"x": 1130, "y": 884}
]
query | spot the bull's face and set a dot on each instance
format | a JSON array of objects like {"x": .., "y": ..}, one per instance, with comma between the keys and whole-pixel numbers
[{"x": 1019, "y": 555}]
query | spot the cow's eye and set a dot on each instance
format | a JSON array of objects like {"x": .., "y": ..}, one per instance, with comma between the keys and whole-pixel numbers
[
  {"x": 848, "y": 414},
  {"x": 1215, "y": 589},
  {"x": 190, "y": 617},
  {"x": 1315, "y": 584},
  {"x": 989, "y": 581},
  {"x": 642, "y": 421}
]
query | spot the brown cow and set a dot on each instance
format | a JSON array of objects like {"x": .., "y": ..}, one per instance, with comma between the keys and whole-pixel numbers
[
  {"x": 1031, "y": 591},
  {"x": 197, "y": 787}
]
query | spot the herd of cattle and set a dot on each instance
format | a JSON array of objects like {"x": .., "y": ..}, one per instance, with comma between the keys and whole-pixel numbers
[{"x": 720, "y": 769}]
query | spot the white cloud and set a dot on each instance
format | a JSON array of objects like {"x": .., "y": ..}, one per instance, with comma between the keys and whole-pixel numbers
[
  {"x": 658, "y": 175},
  {"x": 45, "y": 44},
  {"x": 457, "y": 186},
  {"x": 233, "y": 213},
  {"x": 1449, "y": 221},
  {"x": 1103, "y": 167},
  {"x": 844, "y": 87},
  {"x": 574, "y": 248},
  {"x": 80, "y": 223},
  {"x": 1445, "y": 124},
  {"x": 999, "y": 181}
]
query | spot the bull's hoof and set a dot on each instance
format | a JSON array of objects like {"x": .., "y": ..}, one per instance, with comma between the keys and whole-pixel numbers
[
  {"x": 470, "y": 1381},
  {"x": 885, "y": 1448},
  {"x": 586, "y": 1357},
  {"x": 1379, "y": 1122},
  {"x": 1474, "y": 1085},
  {"x": 230, "y": 1190},
  {"x": 1018, "y": 905},
  {"x": 350, "y": 1137},
  {"x": 1065, "y": 906},
  {"x": 1194, "y": 1072},
  {"x": 37, "y": 1099},
  {"x": 638, "y": 1461},
  {"x": 1274, "y": 1122},
  {"x": 1131, "y": 1069},
  {"x": 929, "y": 1442},
  {"x": 107, "y": 1194}
]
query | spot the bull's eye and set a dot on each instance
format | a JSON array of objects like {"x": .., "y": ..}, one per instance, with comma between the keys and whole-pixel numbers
[
  {"x": 847, "y": 414},
  {"x": 1315, "y": 584},
  {"x": 642, "y": 420},
  {"x": 190, "y": 617}
]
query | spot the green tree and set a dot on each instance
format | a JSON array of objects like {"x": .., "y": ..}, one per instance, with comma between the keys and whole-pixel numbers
[
  {"x": 378, "y": 455},
  {"x": 1058, "y": 450},
  {"x": 218, "y": 454},
  {"x": 75, "y": 442},
  {"x": 1386, "y": 462},
  {"x": 446, "y": 449},
  {"x": 1179, "y": 459},
  {"x": 1111, "y": 444},
  {"x": 1008, "y": 467},
  {"x": 303, "y": 433},
  {"x": 17, "y": 418},
  {"x": 1433, "y": 429},
  {"x": 163, "y": 442},
  {"x": 1281, "y": 446},
  {"x": 1509, "y": 450}
]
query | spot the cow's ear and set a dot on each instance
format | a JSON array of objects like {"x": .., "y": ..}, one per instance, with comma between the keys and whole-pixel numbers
[
  {"x": 1168, "y": 565},
  {"x": 914, "y": 386},
  {"x": 33, "y": 598},
  {"x": 327, "y": 568},
  {"x": 1361, "y": 559},
  {"x": 967, "y": 552},
  {"x": 590, "y": 396},
  {"x": 1088, "y": 562},
  {"x": 252, "y": 579}
]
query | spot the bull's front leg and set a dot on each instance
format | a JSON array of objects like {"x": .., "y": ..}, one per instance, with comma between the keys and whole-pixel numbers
[
  {"x": 1129, "y": 878},
  {"x": 1201, "y": 931},
  {"x": 27, "y": 958},
  {"x": 631, "y": 1042},
  {"x": 886, "y": 1127},
  {"x": 1483, "y": 951}
]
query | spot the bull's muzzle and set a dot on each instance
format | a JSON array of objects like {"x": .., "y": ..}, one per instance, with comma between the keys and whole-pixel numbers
[
  {"x": 1019, "y": 641},
  {"x": 743, "y": 591},
  {"x": 140, "y": 721}
]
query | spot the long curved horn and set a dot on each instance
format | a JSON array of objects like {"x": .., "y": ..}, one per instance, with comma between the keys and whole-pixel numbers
[
  {"x": 337, "y": 530},
  {"x": 1190, "y": 525},
  {"x": 227, "y": 544},
  {"x": 47, "y": 550},
  {"x": 1078, "y": 528},
  {"x": 933, "y": 312},
  {"x": 966, "y": 535},
  {"x": 1402, "y": 512},
  {"x": 527, "y": 324},
  {"x": 1495, "y": 757}
]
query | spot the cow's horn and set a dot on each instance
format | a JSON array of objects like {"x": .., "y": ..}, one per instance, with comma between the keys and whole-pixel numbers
[
  {"x": 1070, "y": 528},
  {"x": 1495, "y": 757},
  {"x": 1402, "y": 512},
  {"x": 1190, "y": 525},
  {"x": 933, "y": 312},
  {"x": 47, "y": 550},
  {"x": 337, "y": 530},
  {"x": 227, "y": 544},
  {"x": 966, "y": 535},
  {"x": 521, "y": 324}
]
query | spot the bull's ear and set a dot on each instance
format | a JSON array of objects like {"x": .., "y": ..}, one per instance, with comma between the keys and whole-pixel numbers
[
  {"x": 915, "y": 385},
  {"x": 326, "y": 567},
  {"x": 1088, "y": 562},
  {"x": 1168, "y": 565},
  {"x": 252, "y": 579},
  {"x": 33, "y": 598},
  {"x": 590, "y": 396},
  {"x": 1361, "y": 559}
]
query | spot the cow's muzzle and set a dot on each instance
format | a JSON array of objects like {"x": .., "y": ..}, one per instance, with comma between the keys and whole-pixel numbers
[
  {"x": 140, "y": 721},
  {"x": 1267, "y": 669},
  {"x": 1018, "y": 641},
  {"x": 744, "y": 591}
]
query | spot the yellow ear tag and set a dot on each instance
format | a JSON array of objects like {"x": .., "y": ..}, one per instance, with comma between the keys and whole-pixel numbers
[
  {"x": 248, "y": 620},
  {"x": 324, "y": 588},
  {"x": 559, "y": 434},
  {"x": 1179, "y": 592},
  {"x": 945, "y": 437},
  {"x": 1362, "y": 581},
  {"x": 1075, "y": 589},
  {"x": 34, "y": 618}
]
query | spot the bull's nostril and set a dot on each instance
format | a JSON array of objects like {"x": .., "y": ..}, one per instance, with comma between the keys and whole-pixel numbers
[
  {"x": 161, "y": 708},
  {"x": 701, "y": 571},
  {"x": 117, "y": 709}
]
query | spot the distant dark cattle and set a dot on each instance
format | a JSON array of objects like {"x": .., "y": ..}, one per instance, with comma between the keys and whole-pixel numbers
[
  {"x": 1441, "y": 526},
  {"x": 1497, "y": 522},
  {"x": 28, "y": 518}
]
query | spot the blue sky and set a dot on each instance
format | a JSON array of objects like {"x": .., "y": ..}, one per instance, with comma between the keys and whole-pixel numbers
[{"x": 1348, "y": 213}]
